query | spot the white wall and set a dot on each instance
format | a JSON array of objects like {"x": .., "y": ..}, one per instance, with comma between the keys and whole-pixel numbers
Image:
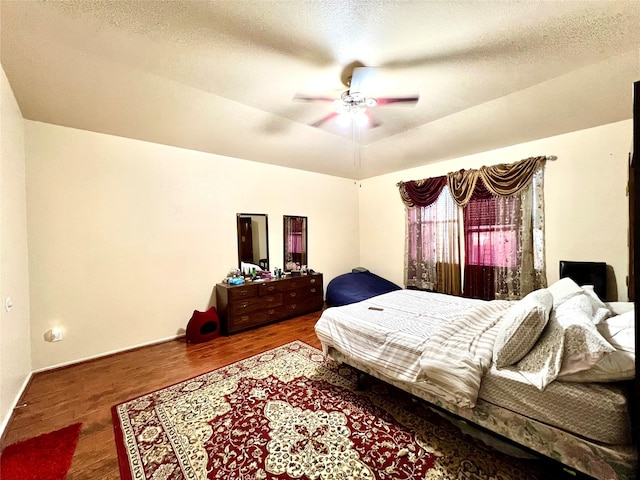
[
  {"x": 15, "y": 347},
  {"x": 586, "y": 207},
  {"x": 127, "y": 238}
]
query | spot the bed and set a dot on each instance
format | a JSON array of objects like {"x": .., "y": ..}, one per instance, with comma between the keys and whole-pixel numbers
[{"x": 514, "y": 368}]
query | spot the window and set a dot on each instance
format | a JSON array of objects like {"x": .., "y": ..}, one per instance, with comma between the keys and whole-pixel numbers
[
  {"x": 503, "y": 238},
  {"x": 433, "y": 261},
  {"x": 503, "y": 231},
  {"x": 491, "y": 242}
]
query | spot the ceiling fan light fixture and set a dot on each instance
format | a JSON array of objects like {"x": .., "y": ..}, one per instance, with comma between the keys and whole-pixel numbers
[
  {"x": 360, "y": 118},
  {"x": 352, "y": 115},
  {"x": 343, "y": 119},
  {"x": 351, "y": 108},
  {"x": 354, "y": 102}
]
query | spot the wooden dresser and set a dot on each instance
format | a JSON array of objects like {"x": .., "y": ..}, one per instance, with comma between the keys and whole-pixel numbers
[{"x": 257, "y": 303}]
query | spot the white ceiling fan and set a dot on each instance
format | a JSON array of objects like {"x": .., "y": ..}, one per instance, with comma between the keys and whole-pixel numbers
[{"x": 353, "y": 106}]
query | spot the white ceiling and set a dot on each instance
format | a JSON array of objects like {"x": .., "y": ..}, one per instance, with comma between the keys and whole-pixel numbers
[{"x": 220, "y": 76}]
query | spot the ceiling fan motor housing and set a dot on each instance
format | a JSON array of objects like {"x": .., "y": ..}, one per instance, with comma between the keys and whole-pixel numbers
[{"x": 357, "y": 100}]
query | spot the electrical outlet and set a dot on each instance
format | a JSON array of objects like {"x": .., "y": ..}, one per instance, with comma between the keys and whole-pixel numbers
[{"x": 56, "y": 334}]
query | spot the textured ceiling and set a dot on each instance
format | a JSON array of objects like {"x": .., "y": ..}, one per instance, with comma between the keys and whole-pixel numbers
[{"x": 220, "y": 76}]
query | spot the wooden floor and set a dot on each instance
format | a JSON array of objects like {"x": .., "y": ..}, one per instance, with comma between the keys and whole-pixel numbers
[{"x": 87, "y": 391}]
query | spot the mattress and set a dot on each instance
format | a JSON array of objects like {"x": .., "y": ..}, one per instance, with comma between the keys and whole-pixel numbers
[{"x": 594, "y": 411}]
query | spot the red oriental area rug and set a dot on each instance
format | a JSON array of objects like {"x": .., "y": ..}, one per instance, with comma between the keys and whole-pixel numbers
[
  {"x": 45, "y": 457},
  {"x": 290, "y": 413}
]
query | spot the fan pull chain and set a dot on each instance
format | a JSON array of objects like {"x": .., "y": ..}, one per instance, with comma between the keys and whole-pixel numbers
[{"x": 355, "y": 138}]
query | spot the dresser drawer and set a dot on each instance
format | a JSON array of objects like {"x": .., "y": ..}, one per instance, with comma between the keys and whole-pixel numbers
[
  {"x": 315, "y": 280},
  {"x": 302, "y": 306},
  {"x": 255, "y": 303},
  {"x": 289, "y": 283},
  {"x": 269, "y": 288},
  {"x": 243, "y": 291},
  {"x": 246, "y": 320},
  {"x": 294, "y": 283},
  {"x": 311, "y": 290},
  {"x": 301, "y": 293}
]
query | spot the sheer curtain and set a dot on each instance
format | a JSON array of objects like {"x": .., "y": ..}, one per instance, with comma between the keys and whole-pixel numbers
[
  {"x": 504, "y": 243},
  {"x": 433, "y": 246}
]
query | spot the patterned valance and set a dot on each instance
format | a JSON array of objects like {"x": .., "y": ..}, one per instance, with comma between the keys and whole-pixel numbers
[
  {"x": 422, "y": 193},
  {"x": 499, "y": 180}
]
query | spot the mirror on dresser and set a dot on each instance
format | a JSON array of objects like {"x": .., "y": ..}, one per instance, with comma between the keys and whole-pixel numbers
[
  {"x": 253, "y": 241},
  {"x": 295, "y": 242}
]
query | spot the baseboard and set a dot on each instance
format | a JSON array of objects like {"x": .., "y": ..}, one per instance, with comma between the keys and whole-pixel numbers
[
  {"x": 107, "y": 354},
  {"x": 5, "y": 421}
]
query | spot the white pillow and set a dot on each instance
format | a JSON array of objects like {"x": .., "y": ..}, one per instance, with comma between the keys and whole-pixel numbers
[
  {"x": 620, "y": 331},
  {"x": 542, "y": 364},
  {"x": 583, "y": 346},
  {"x": 249, "y": 266},
  {"x": 521, "y": 326},
  {"x": 618, "y": 308},
  {"x": 595, "y": 299},
  {"x": 615, "y": 367},
  {"x": 619, "y": 365},
  {"x": 564, "y": 289},
  {"x": 570, "y": 343},
  {"x": 600, "y": 309}
]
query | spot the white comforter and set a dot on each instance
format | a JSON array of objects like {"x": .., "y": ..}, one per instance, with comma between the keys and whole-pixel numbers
[{"x": 413, "y": 336}]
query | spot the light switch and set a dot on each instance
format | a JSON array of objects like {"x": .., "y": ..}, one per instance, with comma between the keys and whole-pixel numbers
[{"x": 8, "y": 304}]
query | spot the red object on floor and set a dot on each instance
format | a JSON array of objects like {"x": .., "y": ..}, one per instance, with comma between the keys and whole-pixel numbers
[
  {"x": 203, "y": 326},
  {"x": 45, "y": 457}
]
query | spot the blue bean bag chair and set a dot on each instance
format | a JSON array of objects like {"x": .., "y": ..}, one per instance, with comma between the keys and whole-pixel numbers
[{"x": 356, "y": 286}]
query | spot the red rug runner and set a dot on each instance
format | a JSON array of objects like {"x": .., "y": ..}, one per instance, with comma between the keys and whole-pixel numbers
[
  {"x": 288, "y": 413},
  {"x": 45, "y": 457}
]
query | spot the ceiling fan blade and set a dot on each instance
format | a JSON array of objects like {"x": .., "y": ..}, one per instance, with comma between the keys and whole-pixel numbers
[
  {"x": 405, "y": 100},
  {"x": 313, "y": 98},
  {"x": 361, "y": 78},
  {"x": 324, "y": 119}
]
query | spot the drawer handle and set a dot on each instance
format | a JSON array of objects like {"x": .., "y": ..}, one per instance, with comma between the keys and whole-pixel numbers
[
  {"x": 270, "y": 299},
  {"x": 244, "y": 318},
  {"x": 271, "y": 312},
  {"x": 244, "y": 304},
  {"x": 292, "y": 294},
  {"x": 244, "y": 293},
  {"x": 313, "y": 290},
  {"x": 294, "y": 306},
  {"x": 313, "y": 280},
  {"x": 271, "y": 288}
]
